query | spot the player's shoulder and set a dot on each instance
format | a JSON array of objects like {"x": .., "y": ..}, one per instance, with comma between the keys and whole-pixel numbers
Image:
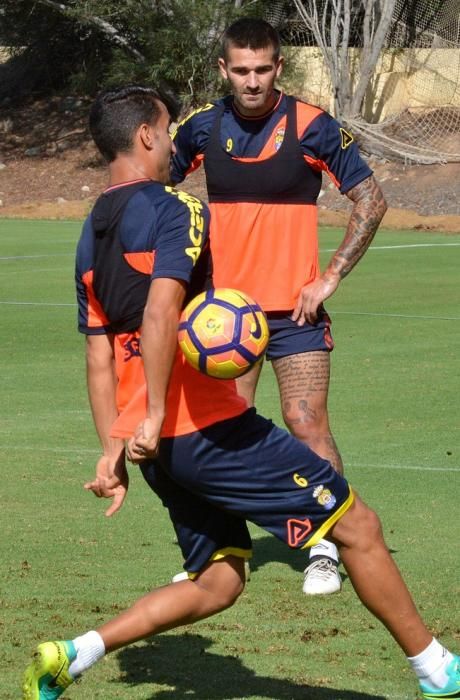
[
  {"x": 84, "y": 253},
  {"x": 175, "y": 200},
  {"x": 146, "y": 199},
  {"x": 198, "y": 117},
  {"x": 160, "y": 204},
  {"x": 183, "y": 218},
  {"x": 308, "y": 112}
]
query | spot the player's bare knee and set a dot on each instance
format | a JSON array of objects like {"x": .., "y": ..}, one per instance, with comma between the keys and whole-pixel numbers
[
  {"x": 370, "y": 528},
  {"x": 308, "y": 424},
  {"x": 224, "y": 582},
  {"x": 228, "y": 596},
  {"x": 359, "y": 528}
]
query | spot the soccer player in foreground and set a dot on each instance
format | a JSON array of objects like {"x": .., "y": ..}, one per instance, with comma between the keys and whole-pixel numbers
[{"x": 142, "y": 252}]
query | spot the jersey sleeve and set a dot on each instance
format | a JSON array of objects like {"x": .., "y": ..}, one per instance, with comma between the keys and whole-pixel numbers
[
  {"x": 91, "y": 317},
  {"x": 182, "y": 233},
  {"x": 330, "y": 147},
  {"x": 190, "y": 140}
]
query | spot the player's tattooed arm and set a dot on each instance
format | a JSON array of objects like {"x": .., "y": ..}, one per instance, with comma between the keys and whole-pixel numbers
[
  {"x": 369, "y": 206},
  {"x": 367, "y": 213}
]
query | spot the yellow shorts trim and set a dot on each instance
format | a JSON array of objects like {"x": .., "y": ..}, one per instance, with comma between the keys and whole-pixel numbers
[
  {"x": 221, "y": 554},
  {"x": 326, "y": 526}
]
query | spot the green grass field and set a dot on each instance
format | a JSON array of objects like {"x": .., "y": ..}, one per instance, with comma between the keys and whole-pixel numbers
[{"x": 395, "y": 413}]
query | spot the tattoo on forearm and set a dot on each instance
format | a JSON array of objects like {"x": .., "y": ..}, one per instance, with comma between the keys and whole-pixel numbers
[{"x": 368, "y": 210}]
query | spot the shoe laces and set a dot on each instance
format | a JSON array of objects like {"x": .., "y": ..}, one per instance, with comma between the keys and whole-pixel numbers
[{"x": 321, "y": 569}]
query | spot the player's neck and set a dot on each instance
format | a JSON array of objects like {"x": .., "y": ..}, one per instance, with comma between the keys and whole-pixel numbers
[
  {"x": 125, "y": 170},
  {"x": 125, "y": 183},
  {"x": 267, "y": 109}
]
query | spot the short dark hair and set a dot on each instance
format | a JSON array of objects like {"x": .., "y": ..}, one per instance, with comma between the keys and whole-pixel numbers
[
  {"x": 251, "y": 33},
  {"x": 117, "y": 113}
]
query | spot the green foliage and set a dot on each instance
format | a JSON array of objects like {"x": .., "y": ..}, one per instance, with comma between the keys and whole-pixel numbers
[
  {"x": 86, "y": 45},
  {"x": 48, "y": 48}
]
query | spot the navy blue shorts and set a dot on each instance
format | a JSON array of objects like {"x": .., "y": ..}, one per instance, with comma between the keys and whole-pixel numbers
[
  {"x": 244, "y": 468},
  {"x": 287, "y": 338}
]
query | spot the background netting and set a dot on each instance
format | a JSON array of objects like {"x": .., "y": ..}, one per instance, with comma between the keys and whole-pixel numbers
[{"x": 417, "y": 117}]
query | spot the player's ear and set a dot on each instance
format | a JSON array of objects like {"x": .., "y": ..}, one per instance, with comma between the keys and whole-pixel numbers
[
  {"x": 279, "y": 66},
  {"x": 223, "y": 68},
  {"x": 145, "y": 135}
]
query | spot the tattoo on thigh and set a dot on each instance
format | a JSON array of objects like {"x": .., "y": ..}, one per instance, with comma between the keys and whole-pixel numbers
[{"x": 299, "y": 376}]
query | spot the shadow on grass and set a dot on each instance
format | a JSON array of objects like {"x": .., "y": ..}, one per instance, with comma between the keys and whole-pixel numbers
[
  {"x": 268, "y": 549},
  {"x": 184, "y": 664}
]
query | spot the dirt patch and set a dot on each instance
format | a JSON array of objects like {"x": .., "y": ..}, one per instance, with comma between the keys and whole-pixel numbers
[
  {"x": 66, "y": 189},
  {"x": 49, "y": 169}
]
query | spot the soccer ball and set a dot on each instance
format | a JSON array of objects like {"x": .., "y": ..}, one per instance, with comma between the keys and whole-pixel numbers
[{"x": 223, "y": 333}]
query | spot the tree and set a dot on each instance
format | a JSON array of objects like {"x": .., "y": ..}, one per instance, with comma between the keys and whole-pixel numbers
[
  {"x": 331, "y": 23},
  {"x": 414, "y": 111},
  {"x": 84, "y": 17},
  {"x": 83, "y": 45}
]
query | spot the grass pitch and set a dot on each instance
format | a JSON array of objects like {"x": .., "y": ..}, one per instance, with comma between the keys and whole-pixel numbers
[{"x": 395, "y": 414}]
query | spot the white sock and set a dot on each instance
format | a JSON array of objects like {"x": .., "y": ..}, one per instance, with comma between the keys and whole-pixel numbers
[
  {"x": 430, "y": 665},
  {"x": 90, "y": 648},
  {"x": 325, "y": 549}
]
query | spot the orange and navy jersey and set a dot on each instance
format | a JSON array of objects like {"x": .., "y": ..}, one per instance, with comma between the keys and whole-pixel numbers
[
  {"x": 194, "y": 401},
  {"x": 135, "y": 233},
  {"x": 263, "y": 177}
]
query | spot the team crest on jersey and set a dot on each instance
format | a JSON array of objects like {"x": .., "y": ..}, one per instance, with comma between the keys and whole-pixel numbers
[
  {"x": 279, "y": 138},
  {"x": 324, "y": 497},
  {"x": 346, "y": 137}
]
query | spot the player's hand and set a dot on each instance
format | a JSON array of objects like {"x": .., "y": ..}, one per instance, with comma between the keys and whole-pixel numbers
[
  {"x": 112, "y": 481},
  {"x": 144, "y": 443},
  {"x": 312, "y": 296}
]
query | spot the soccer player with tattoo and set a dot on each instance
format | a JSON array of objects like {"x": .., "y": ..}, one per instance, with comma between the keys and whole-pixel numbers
[
  {"x": 264, "y": 153},
  {"x": 218, "y": 463}
]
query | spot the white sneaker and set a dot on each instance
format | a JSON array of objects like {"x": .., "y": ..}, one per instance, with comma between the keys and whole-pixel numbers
[
  {"x": 247, "y": 571},
  {"x": 322, "y": 578},
  {"x": 183, "y": 576}
]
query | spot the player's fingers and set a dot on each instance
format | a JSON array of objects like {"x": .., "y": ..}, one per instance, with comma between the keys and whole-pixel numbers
[
  {"x": 309, "y": 317},
  {"x": 110, "y": 483},
  {"x": 309, "y": 311},
  {"x": 302, "y": 317},
  {"x": 139, "y": 446},
  {"x": 133, "y": 456},
  {"x": 112, "y": 509},
  {"x": 298, "y": 309},
  {"x": 145, "y": 448},
  {"x": 132, "y": 449},
  {"x": 312, "y": 315},
  {"x": 93, "y": 486},
  {"x": 117, "y": 502}
]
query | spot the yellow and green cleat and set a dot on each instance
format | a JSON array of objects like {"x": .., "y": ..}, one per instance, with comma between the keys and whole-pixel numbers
[{"x": 48, "y": 675}]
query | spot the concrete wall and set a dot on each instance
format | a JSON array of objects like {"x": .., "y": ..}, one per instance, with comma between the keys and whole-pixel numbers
[{"x": 404, "y": 78}]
